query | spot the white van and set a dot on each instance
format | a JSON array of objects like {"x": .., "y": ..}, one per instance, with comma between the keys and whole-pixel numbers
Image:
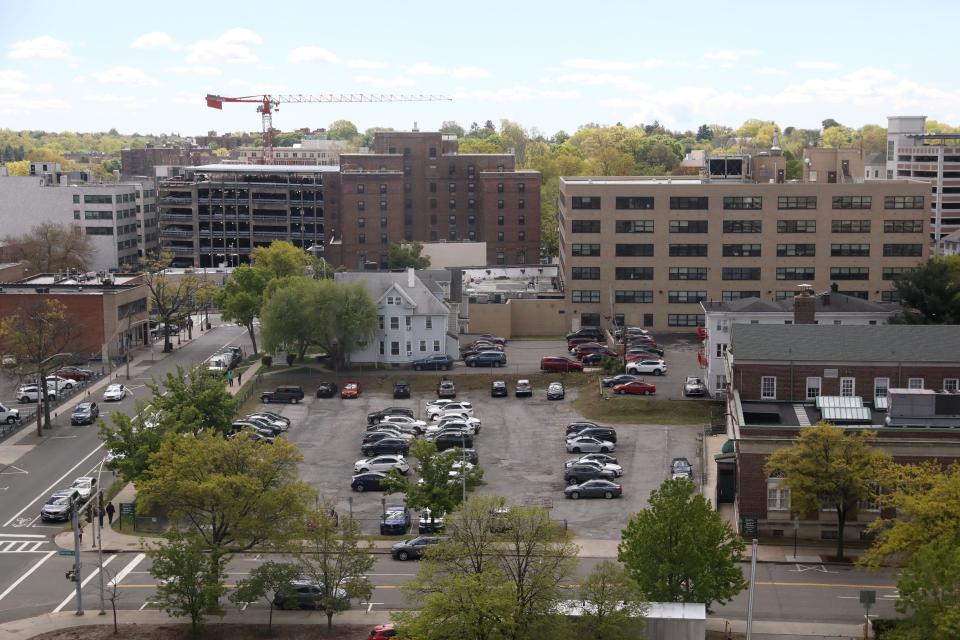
[{"x": 218, "y": 364}]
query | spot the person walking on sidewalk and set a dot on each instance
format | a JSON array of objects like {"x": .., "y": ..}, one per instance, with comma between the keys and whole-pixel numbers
[
  {"x": 239, "y": 377},
  {"x": 230, "y": 377},
  {"x": 110, "y": 511},
  {"x": 100, "y": 515}
]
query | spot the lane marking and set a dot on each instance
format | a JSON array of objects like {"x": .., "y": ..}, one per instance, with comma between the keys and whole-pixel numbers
[
  {"x": 52, "y": 486},
  {"x": 22, "y": 535},
  {"x": 73, "y": 594},
  {"x": 127, "y": 569},
  {"x": 837, "y": 585},
  {"x": 18, "y": 472},
  {"x": 26, "y": 575}
]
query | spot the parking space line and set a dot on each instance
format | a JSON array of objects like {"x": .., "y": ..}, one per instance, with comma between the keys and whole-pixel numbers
[
  {"x": 90, "y": 577},
  {"x": 127, "y": 569},
  {"x": 36, "y": 566}
]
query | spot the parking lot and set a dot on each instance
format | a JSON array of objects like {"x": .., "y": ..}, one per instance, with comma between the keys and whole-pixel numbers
[{"x": 521, "y": 450}]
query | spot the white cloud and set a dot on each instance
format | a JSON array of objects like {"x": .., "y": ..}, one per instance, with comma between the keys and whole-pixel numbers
[
  {"x": 12, "y": 80},
  {"x": 597, "y": 64},
  {"x": 619, "y": 81},
  {"x": 730, "y": 55},
  {"x": 360, "y": 63},
  {"x": 312, "y": 54},
  {"x": 770, "y": 71},
  {"x": 816, "y": 64},
  {"x": 155, "y": 40},
  {"x": 110, "y": 98},
  {"x": 14, "y": 103},
  {"x": 426, "y": 69},
  {"x": 197, "y": 70},
  {"x": 44, "y": 47},
  {"x": 379, "y": 82},
  {"x": 130, "y": 76},
  {"x": 469, "y": 72},
  {"x": 232, "y": 46}
]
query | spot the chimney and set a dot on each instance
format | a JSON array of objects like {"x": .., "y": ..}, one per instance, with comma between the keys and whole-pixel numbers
[
  {"x": 411, "y": 278},
  {"x": 804, "y": 306}
]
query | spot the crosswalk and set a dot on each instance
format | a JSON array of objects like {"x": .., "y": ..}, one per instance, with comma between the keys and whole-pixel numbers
[{"x": 24, "y": 546}]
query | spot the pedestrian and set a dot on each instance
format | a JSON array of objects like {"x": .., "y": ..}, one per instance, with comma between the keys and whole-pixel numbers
[
  {"x": 110, "y": 511},
  {"x": 80, "y": 527},
  {"x": 239, "y": 377},
  {"x": 100, "y": 515},
  {"x": 230, "y": 377}
]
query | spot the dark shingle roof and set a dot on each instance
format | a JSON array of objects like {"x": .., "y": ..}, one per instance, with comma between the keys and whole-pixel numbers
[
  {"x": 831, "y": 301},
  {"x": 845, "y": 343}
]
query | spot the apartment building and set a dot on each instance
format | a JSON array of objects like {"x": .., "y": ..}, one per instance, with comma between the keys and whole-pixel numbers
[
  {"x": 647, "y": 251},
  {"x": 311, "y": 150},
  {"x": 143, "y": 161}
]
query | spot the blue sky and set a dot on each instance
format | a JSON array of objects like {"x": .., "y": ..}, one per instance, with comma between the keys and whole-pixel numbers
[{"x": 146, "y": 67}]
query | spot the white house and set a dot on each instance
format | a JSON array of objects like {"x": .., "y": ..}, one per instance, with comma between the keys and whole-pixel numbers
[{"x": 414, "y": 319}]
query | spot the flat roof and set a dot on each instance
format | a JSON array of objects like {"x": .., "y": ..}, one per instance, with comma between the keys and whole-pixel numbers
[
  {"x": 268, "y": 168},
  {"x": 49, "y": 279}
]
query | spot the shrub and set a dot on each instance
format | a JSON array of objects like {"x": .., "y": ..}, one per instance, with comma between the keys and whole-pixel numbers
[{"x": 266, "y": 360}]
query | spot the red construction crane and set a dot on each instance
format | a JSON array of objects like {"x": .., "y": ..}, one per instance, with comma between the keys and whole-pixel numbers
[{"x": 267, "y": 104}]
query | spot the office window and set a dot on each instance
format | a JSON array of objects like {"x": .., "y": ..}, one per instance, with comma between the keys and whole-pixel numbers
[
  {"x": 585, "y": 295},
  {"x": 903, "y": 202},
  {"x": 686, "y": 297},
  {"x": 796, "y": 250},
  {"x": 451, "y": 203},
  {"x": 848, "y": 387},
  {"x": 688, "y": 226},
  {"x": 688, "y": 250},
  {"x": 586, "y": 202},
  {"x": 852, "y": 202},
  {"x": 850, "y": 226},
  {"x": 847, "y": 250},
  {"x": 741, "y": 273},
  {"x": 915, "y": 383},
  {"x": 890, "y": 296},
  {"x": 452, "y": 187},
  {"x": 634, "y": 202},
  {"x": 742, "y": 226},
  {"x": 99, "y": 231},
  {"x": 889, "y": 273},
  {"x": 634, "y": 273},
  {"x": 903, "y": 250},
  {"x": 741, "y": 250},
  {"x": 585, "y": 273},
  {"x": 796, "y": 226},
  {"x": 361, "y": 187},
  {"x": 903, "y": 226},
  {"x": 634, "y": 250},
  {"x": 795, "y": 273},
  {"x": 589, "y": 319},
  {"x": 452, "y": 220},
  {"x": 76, "y": 199},
  {"x": 797, "y": 202},
  {"x": 591, "y": 250},
  {"x": 500, "y": 188},
  {"x": 778, "y": 495},
  {"x": 742, "y": 202},
  {"x": 730, "y": 296},
  {"x": 849, "y": 273},
  {"x": 633, "y": 297},
  {"x": 634, "y": 226},
  {"x": 813, "y": 388},
  {"x": 688, "y": 273},
  {"x": 684, "y": 319},
  {"x": 585, "y": 226},
  {"x": 682, "y": 202},
  {"x": 768, "y": 388}
]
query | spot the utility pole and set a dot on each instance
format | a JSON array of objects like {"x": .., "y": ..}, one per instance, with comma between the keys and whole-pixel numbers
[
  {"x": 75, "y": 517},
  {"x": 753, "y": 588}
]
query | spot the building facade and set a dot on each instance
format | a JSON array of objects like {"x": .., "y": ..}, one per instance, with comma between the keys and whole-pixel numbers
[
  {"x": 647, "y": 251},
  {"x": 143, "y": 161},
  {"x": 311, "y": 150}
]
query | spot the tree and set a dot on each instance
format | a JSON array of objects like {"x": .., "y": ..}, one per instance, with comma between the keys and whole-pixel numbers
[
  {"x": 19, "y": 168},
  {"x": 829, "y": 123},
  {"x": 450, "y": 127},
  {"x": 51, "y": 248},
  {"x": 838, "y": 137},
  {"x": 171, "y": 297},
  {"x": 290, "y": 314},
  {"x": 191, "y": 583},
  {"x": 469, "y": 606},
  {"x": 241, "y": 298},
  {"x": 331, "y": 556},
  {"x": 480, "y": 145},
  {"x": 352, "y": 320},
  {"x": 513, "y": 136},
  {"x": 929, "y": 590},
  {"x": 408, "y": 254},
  {"x": 264, "y": 581},
  {"x": 321, "y": 269},
  {"x": 704, "y": 132},
  {"x": 36, "y": 336},
  {"x": 679, "y": 549},
  {"x": 342, "y": 130},
  {"x": 611, "y": 605},
  {"x": 281, "y": 259},
  {"x": 112, "y": 594},
  {"x": 828, "y": 468},
  {"x": 931, "y": 293}
]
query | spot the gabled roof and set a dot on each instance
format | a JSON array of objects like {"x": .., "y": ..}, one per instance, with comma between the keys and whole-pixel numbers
[
  {"x": 828, "y": 301},
  {"x": 378, "y": 283}
]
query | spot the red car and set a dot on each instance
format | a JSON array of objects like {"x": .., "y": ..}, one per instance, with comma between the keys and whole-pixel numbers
[
  {"x": 383, "y": 631},
  {"x": 636, "y": 387},
  {"x": 559, "y": 363},
  {"x": 588, "y": 349},
  {"x": 74, "y": 373},
  {"x": 574, "y": 342},
  {"x": 350, "y": 390},
  {"x": 643, "y": 355}
]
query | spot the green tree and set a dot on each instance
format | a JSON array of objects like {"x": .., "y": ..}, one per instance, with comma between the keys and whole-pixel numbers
[
  {"x": 50, "y": 248},
  {"x": 171, "y": 297},
  {"x": 290, "y": 315},
  {"x": 281, "y": 259},
  {"x": 323, "y": 270},
  {"x": 929, "y": 590},
  {"x": 611, "y": 605},
  {"x": 931, "y": 294},
  {"x": 241, "y": 298},
  {"x": 401, "y": 256},
  {"x": 704, "y": 132},
  {"x": 827, "y": 467},
  {"x": 342, "y": 130},
  {"x": 450, "y": 127},
  {"x": 874, "y": 138},
  {"x": 513, "y": 136},
  {"x": 480, "y": 145},
  {"x": 265, "y": 581},
  {"x": 470, "y": 606},
  {"x": 839, "y": 137},
  {"x": 679, "y": 549},
  {"x": 191, "y": 584},
  {"x": 352, "y": 320},
  {"x": 19, "y": 168},
  {"x": 829, "y": 123}
]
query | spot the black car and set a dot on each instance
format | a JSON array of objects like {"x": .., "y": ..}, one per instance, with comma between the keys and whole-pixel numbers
[
  {"x": 498, "y": 389},
  {"x": 623, "y": 378},
  {"x": 446, "y": 389},
  {"x": 289, "y": 394},
  {"x": 577, "y": 473},
  {"x": 401, "y": 389},
  {"x": 576, "y": 427},
  {"x": 372, "y": 437},
  {"x": 386, "y": 445},
  {"x": 489, "y": 337},
  {"x": 85, "y": 413},
  {"x": 596, "y": 488},
  {"x": 486, "y": 359},
  {"x": 438, "y": 361},
  {"x": 600, "y": 433},
  {"x": 369, "y": 481},
  {"x": 376, "y": 416},
  {"x": 327, "y": 390},
  {"x": 413, "y": 549},
  {"x": 451, "y": 440},
  {"x": 587, "y": 332}
]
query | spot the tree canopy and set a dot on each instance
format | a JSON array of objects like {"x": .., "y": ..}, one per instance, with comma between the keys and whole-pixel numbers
[
  {"x": 281, "y": 259},
  {"x": 931, "y": 293},
  {"x": 408, "y": 254},
  {"x": 242, "y": 297},
  {"x": 50, "y": 248}
]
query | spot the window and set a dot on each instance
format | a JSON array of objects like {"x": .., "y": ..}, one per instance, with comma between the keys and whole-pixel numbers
[
  {"x": 381, "y": 347},
  {"x": 585, "y": 273},
  {"x": 795, "y": 273},
  {"x": 880, "y": 387},
  {"x": 500, "y": 220},
  {"x": 915, "y": 383},
  {"x": 721, "y": 349},
  {"x": 850, "y": 226},
  {"x": 633, "y": 297},
  {"x": 742, "y": 226},
  {"x": 590, "y": 320},
  {"x": 471, "y": 187},
  {"x": 813, "y": 388},
  {"x": 634, "y": 273},
  {"x": 730, "y": 296},
  {"x": 93, "y": 199},
  {"x": 500, "y": 188},
  {"x": 76, "y": 199},
  {"x": 451, "y": 220},
  {"x": 741, "y": 250},
  {"x": 903, "y": 226},
  {"x": 361, "y": 238},
  {"x": 741, "y": 273},
  {"x": 686, "y": 297},
  {"x": 423, "y": 346},
  {"x": 848, "y": 387},
  {"x": 951, "y": 384},
  {"x": 796, "y": 226},
  {"x": 768, "y": 388},
  {"x": 848, "y": 250},
  {"x": 797, "y": 202},
  {"x": 850, "y": 273},
  {"x": 890, "y": 150},
  {"x": 452, "y": 234},
  {"x": 436, "y": 346},
  {"x": 591, "y": 250},
  {"x": 521, "y": 204},
  {"x": 634, "y": 226},
  {"x": 585, "y": 202},
  {"x": 521, "y": 187},
  {"x": 852, "y": 202},
  {"x": 500, "y": 204},
  {"x": 433, "y": 187},
  {"x": 778, "y": 495},
  {"x": 451, "y": 203},
  {"x": 99, "y": 231},
  {"x": 383, "y": 188},
  {"x": 521, "y": 220},
  {"x": 688, "y": 226},
  {"x": 889, "y": 273},
  {"x": 688, "y": 202},
  {"x": 380, "y": 322},
  {"x": 688, "y": 250},
  {"x": 903, "y": 250},
  {"x": 684, "y": 319},
  {"x": 634, "y": 250},
  {"x": 408, "y": 322},
  {"x": 452, "y": 187},
  {"x": 361, "y": 187},
  {"x": 394, "y": 348},
  {"x": 499, "y": 236},
  {"x": 688, "y": 273},
  {"x": 501, "y": 259},
  {"x": 521, "y": 235},
  {"x": 585, "y": 295},
  {"x": 585, "y": 226},
  {"x": 903, "y": 202},
  {"x": 796, "y": 250},
  {"x": 890, "y": 296},
  {"x": 742, "y": 202},
  {"x": 634, "y": 202},
  {"x": 394, "y": 321}
]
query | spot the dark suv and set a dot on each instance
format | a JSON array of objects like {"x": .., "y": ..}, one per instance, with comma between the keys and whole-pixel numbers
[
  {"x": 436, "y": 361},
  {"x": 586, "y": 332},
  {"x": 401, "y": 389},
  {"x": 375, "y": 417},
  {"x": 452, "y": 440},
  {"x": 288, "y": 394},
  {"x": 600, "y": 433},
  {"x": 486, "y": 359},
  {"x": 577, "y": 473}
]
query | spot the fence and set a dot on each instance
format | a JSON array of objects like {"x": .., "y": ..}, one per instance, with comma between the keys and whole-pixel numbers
[{"x": 28, "y": 411}]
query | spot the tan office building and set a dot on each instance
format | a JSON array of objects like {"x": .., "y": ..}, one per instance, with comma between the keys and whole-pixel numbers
[{"x": 646, "y": 251}]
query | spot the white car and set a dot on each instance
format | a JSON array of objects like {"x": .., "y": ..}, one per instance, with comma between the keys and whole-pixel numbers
[
  {"x": 455, "y": 470},
  {"x": 437, "y": 403},
  {"x": 59, "y": 383},
  {"x": 381, "y": 464},
  {"x": 9, "y": 415},
  {"x": 470, "y": 429},
  {"x": 656, "y": 367},
  {"x": 114, "y": 393},
  {"x": 456, "y": 405},
  {"x": 85, "y": 485},
  {"x": 459, "y": 417},
  {"x": 407, "y": 420},
  {"x": 587, "y": 444},
  {"x": 616, "y": 469},
  {"x": 29, "y": 393},
  {"x": 394, "y": 433}
]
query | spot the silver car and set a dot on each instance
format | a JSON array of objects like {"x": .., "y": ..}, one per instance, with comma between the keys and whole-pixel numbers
[{"x": 587, "y": 444}]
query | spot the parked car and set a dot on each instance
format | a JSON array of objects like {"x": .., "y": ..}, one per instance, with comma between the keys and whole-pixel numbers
[
  {"x": 428, "y": 523},
  {"x": 383, "y": 631},
  {"x": 382, "y": 464},
  {"x": 274, "y": 416},
  {"x": 634, "y": 356},
  {"x": 327, "y": 389},
  {"x": 452, "y": 440},
  {"x": 611, "y": 467},
  {"x": 286, "y": 394},
  {"x": 270, "y": 418},
  {"x": 446, "y": 389},
  {"x": 681, "y": 468},
  {"x": 486, "y": 359},
  {"x": 395, "y": 520},
  {"x": 596, "y": 488},
  {"x": 351, "y": 390},
  {"x": 636, "y": 388},
  {"x": 594, "y": 349},
  {"x": 580, "y": 425},
  {"x": 595, "y": 359},
  {"x": 8, "y": 415},
  {"x": 381, "y": 432},
  {"x": 498, "y": 389},
  {"x": 434, "y": 411},
  {"x": 489, "y": 337},
  {"x": 59, "y": 383},
  {"x": 648, "y": 347},
  {"x": 601, "y": 433},
  {"x": 401, "y": 389},
  {"x": 114, "y": 393},
  {"x": 523, "y": 389},
  {"x": 413, "y": 549},
  {"x": 74, "y": 373},
  {"x": 453, "y": 424},
  {"x": 57, "y": 506},
  {"x": 586, "y": 444},
  {"x": 265, "y": 424},
  {"x": 417, "y": 425},
  {"x": 85, "y": 413},
  {"x": 30, "y": 393},
  {"x": 587, "y": 332},
  {"x": 438, "y": 361},
  {"x": 556, "y": 391},
  {"x": 656, "y": 367},
  {"x": 623, "y": 378},
  {"x": 376, "y": 416},
  {"x": 582, "y": 471},
  {"x": 85, "y": 486},
  {"x": 370, "y": 481},
  {"x": 560, "y": 363},
  {"x": 604, "y": 458},
  {"x": 468, "y": 454},
  {"x": 304, "y": 594},
  {"x": 694, "y": 386},
  {"x": 386, "y": 445}
]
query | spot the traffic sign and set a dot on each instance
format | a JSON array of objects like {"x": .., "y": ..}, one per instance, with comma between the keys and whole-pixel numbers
[{"x": 66, "y": 552}]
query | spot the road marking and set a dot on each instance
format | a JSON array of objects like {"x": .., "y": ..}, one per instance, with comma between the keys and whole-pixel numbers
[
  {"x": 52, "y": 486},
  {"x": 26, "y": 575},
  {"x": 127, "y": 569},
  {"x": 828, "y": 584},
  {"x": 62, "y": 437},
  {"x": 18, "y": 472},
  {"x": 90, "y": 577},
  {"x": 22, "y": 535}
]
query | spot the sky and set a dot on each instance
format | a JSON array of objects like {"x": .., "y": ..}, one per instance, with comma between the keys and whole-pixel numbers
[{"x": 146, "y": 67}]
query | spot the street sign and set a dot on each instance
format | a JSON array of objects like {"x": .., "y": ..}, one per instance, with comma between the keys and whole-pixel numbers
[
  {"x": 867, "y": 598},
  {"x": 127, "y": 508},
  {"x": 66, "y": 552}
]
